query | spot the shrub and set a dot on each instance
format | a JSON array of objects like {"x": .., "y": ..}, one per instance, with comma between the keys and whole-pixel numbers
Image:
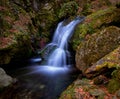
[{"x": 68, "y": 9}]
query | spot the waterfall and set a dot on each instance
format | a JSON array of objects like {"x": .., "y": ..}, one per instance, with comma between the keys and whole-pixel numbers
[{"x": 60, "y": 40}]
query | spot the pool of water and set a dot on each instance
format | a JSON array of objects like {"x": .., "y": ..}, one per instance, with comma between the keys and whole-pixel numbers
[{"x": 35, "y": 81}]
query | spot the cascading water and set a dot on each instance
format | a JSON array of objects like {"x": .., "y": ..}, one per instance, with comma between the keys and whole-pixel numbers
[{"x": 60, "y": 40}]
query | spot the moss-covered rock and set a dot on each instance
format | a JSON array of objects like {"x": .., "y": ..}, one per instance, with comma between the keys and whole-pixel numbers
[
  {"x": 86, "y": 7},
  {"x": 22, "y": 29},
  {"x": 97, "y": 46},
  {"x": 109, "y": 61},
  {"x": 15, "y": 34},
  {"x": 94, "y": 22},
  {"x": 85, "y": 89}
]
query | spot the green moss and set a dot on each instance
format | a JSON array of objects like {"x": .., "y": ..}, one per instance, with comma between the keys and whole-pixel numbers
[
  {"x": 68, "y": 93},
  {"x": 113, "y": 85},
  {"x": 86, "y": 9},
  {"x": 116, "y": 74},
  {"x": 94, "y": 23}
]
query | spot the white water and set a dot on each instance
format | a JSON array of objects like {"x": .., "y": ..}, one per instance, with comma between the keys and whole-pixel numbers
[{"x": 60, "y": 40}]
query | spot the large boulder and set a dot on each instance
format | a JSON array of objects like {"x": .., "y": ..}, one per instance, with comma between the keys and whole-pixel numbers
[
  {"x": 14, "y": 32},
  {"x": 23, "y": 28},
  {"x": 5, "y": 80},
  {"x": 94, "y": 23},
  {"x": 97, "y": 46}
]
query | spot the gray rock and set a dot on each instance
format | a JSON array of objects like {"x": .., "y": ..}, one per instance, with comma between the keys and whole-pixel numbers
[{"x": 5, "y": 80}]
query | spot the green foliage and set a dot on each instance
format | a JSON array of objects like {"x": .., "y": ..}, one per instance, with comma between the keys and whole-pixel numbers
[
  {"x": 68, "y": 9},
  {"x": 86, "y": 9},
  {"x": 80, "y": 33}
]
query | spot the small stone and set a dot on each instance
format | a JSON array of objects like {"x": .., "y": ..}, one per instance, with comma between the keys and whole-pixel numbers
[{"x": 42, "y": 86}]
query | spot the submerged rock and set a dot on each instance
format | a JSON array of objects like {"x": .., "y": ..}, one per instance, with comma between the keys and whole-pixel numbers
[
  {"x": 97, "y": 46},
  {"x": 5, "y": 80}
]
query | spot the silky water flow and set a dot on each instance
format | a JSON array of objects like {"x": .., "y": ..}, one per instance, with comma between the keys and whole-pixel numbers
[{"x": 63, "y": 33}]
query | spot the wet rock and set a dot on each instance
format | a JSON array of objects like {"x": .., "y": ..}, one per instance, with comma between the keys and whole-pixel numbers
[
  {"x": 97, "y": 47},
  {"x": 5, "y": 80}
]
